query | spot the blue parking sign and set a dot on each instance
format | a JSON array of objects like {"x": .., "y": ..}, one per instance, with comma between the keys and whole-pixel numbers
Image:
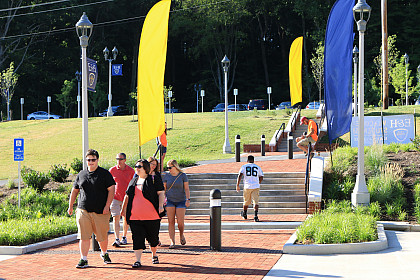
[{"x": 18, "y": 149}]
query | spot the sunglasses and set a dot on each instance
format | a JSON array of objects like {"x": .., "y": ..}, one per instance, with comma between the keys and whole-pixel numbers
[
  {"x": 91, "y": 159},
  {"x": 138, "y": 166},
  {"x": 120, "y": 158},
  {"x": 170, "y": 167}
]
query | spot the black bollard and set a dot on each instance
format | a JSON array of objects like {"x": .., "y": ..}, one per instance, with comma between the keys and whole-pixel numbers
[
  {"x": 238, "y": 148},
  {"x": 290, "y": 146},
  {"x": 95, "y": 244},
  {"x": 263, "y": 145},
  {"x": 215, "y": 220}
]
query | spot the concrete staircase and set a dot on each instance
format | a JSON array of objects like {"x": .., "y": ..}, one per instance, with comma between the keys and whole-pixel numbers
[{"x": 280, "y": 193}]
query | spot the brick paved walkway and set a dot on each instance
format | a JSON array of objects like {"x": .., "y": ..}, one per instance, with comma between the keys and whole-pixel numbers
[{"x": 249, "y": 254}]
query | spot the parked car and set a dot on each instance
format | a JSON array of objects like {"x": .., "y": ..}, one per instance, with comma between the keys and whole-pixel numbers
[
  {"x": 417, "y": 102},
  {"x": 219, "y": 107},
  {"x": 239, "y": 107},
  {"x": 42, "y": 115},
  {"x": 284, "y": 105},
  {"x": 260, "y": 104},
  {"x": 119, "y": 110},
  {"x": 314, "y": 105}
]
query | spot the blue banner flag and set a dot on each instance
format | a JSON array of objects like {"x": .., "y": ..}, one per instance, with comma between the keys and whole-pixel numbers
[
  {"x": 116, "y": 70},
  {"x": 338, "y": 68},
  {"x": 92, "y": 74}
]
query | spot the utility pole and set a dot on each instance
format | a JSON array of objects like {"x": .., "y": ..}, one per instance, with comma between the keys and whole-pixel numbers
[{"x": 385, "y": 96}]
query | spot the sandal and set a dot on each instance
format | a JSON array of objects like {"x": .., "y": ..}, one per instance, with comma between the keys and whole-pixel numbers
[
  {"x": 183, "y": 241},
  {"x": 155, "y": 260},
  {"x": 172, "y": 246},
  {"x": 136, "y": 265}
]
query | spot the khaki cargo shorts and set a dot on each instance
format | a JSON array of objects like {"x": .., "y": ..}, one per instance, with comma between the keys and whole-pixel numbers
[
  {"x": 251, "y": 195},
  {"x": 91, "y": 222}
]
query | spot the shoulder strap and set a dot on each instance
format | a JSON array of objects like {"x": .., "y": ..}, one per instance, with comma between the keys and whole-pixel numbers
[{"x": 174, "y": 181}]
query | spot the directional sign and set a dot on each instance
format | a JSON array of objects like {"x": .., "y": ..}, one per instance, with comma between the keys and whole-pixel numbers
[
  {"x": 18, "y": 149},
  {"x": 116, "y": 70}
]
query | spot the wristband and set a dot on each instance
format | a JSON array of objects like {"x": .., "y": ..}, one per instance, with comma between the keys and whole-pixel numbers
[{"x": 188, "y": 199}]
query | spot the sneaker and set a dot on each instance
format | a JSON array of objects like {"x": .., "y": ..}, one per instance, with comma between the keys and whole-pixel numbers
[
  {"x": 106, "y": 258},
  {"x": 244, "y": 215},
  {"x": 82, "y": 264},
  {"x": 256, "y": 219},
  {"x": 123, "y": 241},
  {"x": 116, "y": 243}
]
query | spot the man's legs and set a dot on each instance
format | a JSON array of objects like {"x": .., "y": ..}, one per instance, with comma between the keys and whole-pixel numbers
[
  {"x": 125, "y": 230},
  {"x": 256, "y": 200},
  {"x": 116, "y": 222},
  {"x": 84, "y": 246}
]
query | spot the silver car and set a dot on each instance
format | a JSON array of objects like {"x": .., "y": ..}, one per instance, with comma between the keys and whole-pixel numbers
[{"x": 42, "y": 115}]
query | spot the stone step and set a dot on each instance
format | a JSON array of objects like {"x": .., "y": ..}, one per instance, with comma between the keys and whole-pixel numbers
[
  {"x": 233, "y": 192},
  {"x": 237, "y": 211},
  {"x": 263, "y": 187},
  {"x": 239, "y": 198},
  {"x": 266, "y": 181},
  {"x": 235, "y": 175},
  {"x": 262, "y": 204}
]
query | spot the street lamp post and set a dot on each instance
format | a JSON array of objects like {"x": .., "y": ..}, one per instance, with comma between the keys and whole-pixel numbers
[
  {"x": 170, "y": 97},
  {"x": 79, "y": 79},
  {"x": 226, "y": 146},
  {"x": 406, "y": 58},
  {"x": 360, "y": 195},
  {"x": 84, "y": 31},
  {"x": 48, "y": 102},
  {"x": 355, "y": 58},
  {"x": 22, "y": 101},
  {"x": 110, "y": 59}
]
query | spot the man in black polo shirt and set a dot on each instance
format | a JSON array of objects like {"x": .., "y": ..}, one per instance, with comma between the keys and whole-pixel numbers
[{"x": 96, "y": 187}]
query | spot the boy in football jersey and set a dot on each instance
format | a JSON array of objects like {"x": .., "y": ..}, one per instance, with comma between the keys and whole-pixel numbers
[{"x": 253, "y": 177}]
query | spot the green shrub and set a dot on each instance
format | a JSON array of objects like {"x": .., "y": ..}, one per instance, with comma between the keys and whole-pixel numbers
[
  {"x": 327, "y": 228},
  {"x": 77, "y": 165},
  {"x": 23, "y": 232},
  {"x": 34, "y": 205},
  {"x": 416, "y": 142},
  {"x": 11, "y": 184},
  {"x": 417, "y": 201},
  {"x": 34, "y": 179},
  {"x": 375, "y": 209},
  {"x": 59, "y": 173},
  {"x": 334, "y": 206},
  {"x": 386, "y": 186},
  {"x": 375, "y": 158}
]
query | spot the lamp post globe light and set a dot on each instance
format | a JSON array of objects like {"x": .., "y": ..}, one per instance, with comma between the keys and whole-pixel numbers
[
  {"x": 110, "y": 59},
  {"x": 406, "y": 58},
  {"x": 355, "y": 58},
  {"x": 84, "y": 31},
  {"x": 360, "y": 195},
  {"x": 79, "y": 79},
  {"x": 226, "y": 146}
]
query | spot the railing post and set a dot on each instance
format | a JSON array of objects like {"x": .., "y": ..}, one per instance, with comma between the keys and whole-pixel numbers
[
  {"x": 238, "y": 148},
  {"x": 95, "y": 244},
  {"x": 215, "y": 220},
  {"x": 290, "y": 146},
  {"x": 263, "y": 145}
]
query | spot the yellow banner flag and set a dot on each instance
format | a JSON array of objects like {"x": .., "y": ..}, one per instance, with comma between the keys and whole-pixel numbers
[
  {"x": 295, "y": 71},
  {"x": 151, "y": 71}
]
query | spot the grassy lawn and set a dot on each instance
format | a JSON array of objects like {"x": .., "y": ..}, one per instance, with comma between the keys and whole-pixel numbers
[{"x": 194, "y": 136}]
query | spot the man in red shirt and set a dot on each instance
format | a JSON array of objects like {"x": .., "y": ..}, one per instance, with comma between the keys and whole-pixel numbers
[
  {"x": 307, "y": 138},
  {"x": 122, "y": 174}
]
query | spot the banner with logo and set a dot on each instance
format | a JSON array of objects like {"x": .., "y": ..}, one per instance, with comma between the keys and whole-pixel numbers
[
  {"x": 396, "y": 129},
  {"x": 116, "y": 70},
  {"x": 92, "y": 74}
]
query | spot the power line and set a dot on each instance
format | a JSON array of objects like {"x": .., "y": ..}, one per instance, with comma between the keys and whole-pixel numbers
[
  {"x": 32, "y": 6},
  {"x": 104, "y": 23},
  {"x": 57, "y": 9}
]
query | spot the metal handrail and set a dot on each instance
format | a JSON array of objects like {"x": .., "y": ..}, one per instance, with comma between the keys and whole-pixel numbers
[
  {"x": 298, "y": 109},
  {"x": 283, "y": 125},
  {"x": 308, "y": 167}
]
